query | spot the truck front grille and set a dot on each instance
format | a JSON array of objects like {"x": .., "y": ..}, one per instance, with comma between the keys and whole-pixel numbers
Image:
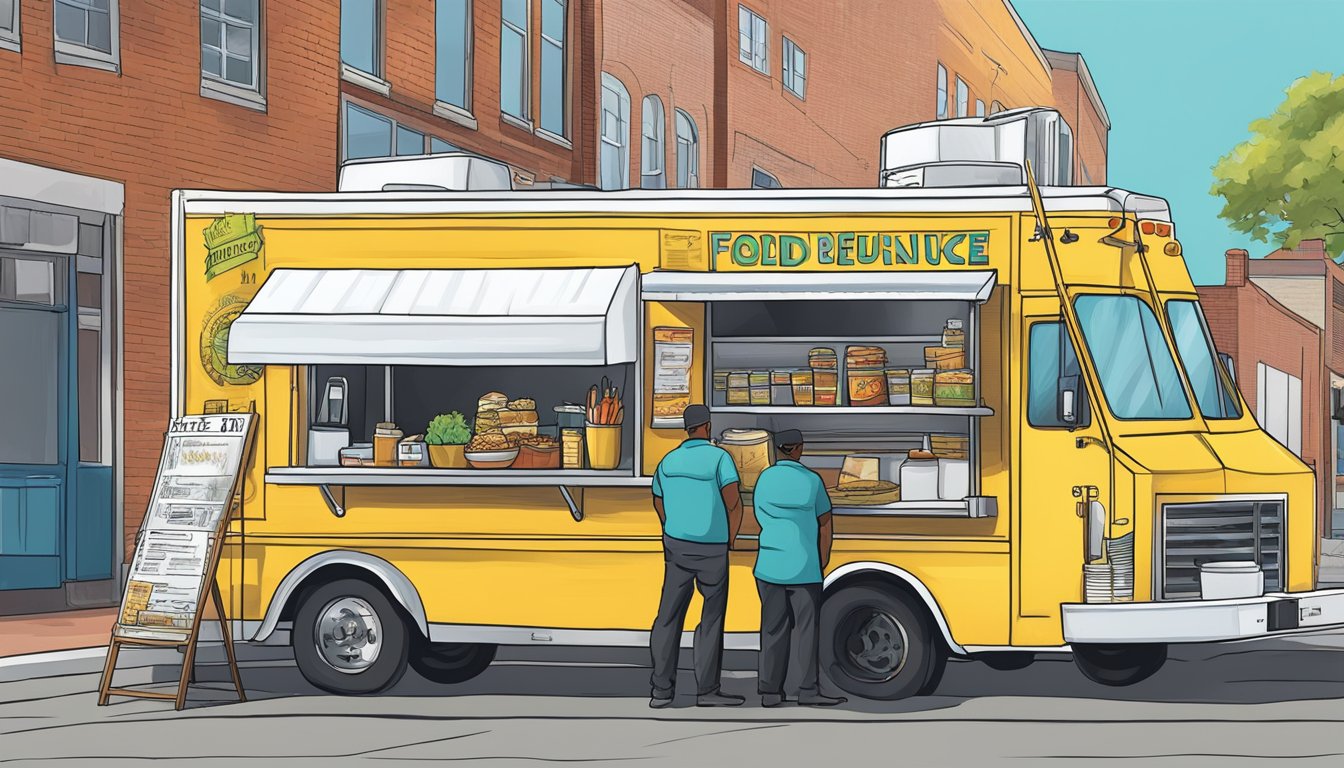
[{"x": 1194, "y": 534}]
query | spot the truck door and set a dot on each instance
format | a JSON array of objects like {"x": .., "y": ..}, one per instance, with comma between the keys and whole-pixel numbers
[{"x": 1062, "y": 450}]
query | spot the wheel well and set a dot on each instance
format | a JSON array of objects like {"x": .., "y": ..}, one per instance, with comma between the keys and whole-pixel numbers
[
  {"x": 889, "y": 581},
  {"x": 334, "y": 572}
]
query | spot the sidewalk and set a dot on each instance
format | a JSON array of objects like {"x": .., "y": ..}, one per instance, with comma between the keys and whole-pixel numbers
[{"x": 58, "y": 631}]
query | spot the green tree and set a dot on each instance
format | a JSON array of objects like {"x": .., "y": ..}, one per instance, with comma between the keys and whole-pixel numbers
[{"x": 1287, "y": 181}]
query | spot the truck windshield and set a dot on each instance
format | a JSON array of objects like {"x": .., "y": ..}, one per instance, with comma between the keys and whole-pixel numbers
[
  {"x": 1195, "y": 348},
  {"x": 1138, "y": 376}
]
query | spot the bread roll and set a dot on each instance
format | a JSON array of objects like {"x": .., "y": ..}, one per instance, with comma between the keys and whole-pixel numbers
[
  {"x": 523, "y": 404},
  {"x": 492, "y": 401},
  {"x": 508, "y": 417}
]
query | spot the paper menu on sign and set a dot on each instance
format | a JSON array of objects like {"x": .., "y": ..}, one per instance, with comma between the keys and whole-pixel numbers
[
  {"x": 672, "y": 368},
  {"x": 170, "y": 571}
]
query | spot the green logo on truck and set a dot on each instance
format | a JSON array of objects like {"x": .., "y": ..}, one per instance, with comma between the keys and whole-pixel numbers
[{"x": 231, "y": 241}]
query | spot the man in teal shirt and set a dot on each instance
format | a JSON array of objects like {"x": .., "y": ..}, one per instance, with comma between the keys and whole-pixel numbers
[
  {"x": 794, "y": 513},
  {"x": 695, "y": 492}
]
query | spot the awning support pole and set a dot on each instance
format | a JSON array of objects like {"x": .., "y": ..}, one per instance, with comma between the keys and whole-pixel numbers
[
  {"x": 574, "y": 508},
  {"x": 336, "y": 509}
]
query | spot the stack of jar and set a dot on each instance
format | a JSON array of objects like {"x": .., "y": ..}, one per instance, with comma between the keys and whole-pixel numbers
[
  {"x": 952, "y": 383},
  {"x": 865, "y": 371},
  {"x": 825, "y": 375}
]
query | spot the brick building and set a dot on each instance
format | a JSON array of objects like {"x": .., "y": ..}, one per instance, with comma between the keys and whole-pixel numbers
[
  {"x": 1276, "y": 354},
  {"x": 110, "y": 105}
]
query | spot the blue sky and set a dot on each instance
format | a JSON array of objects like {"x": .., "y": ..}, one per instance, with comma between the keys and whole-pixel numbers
[{"x": 1182, "y": 80}]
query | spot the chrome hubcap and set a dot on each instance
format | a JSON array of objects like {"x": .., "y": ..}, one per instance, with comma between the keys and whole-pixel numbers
[
  {"x": 881, "y": 646},
  {"x": 348, "y": 635}
]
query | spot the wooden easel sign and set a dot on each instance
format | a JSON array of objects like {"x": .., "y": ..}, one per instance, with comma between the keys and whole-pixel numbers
[{"x": 197, "y": 489}]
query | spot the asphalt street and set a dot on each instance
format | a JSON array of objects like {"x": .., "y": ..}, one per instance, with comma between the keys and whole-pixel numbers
[{"x": 1222, "y": 705}]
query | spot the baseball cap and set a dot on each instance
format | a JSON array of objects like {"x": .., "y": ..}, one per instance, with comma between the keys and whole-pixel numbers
[
  {"x": 695, "y": 415},
  {"x": 788, "y": 437}
]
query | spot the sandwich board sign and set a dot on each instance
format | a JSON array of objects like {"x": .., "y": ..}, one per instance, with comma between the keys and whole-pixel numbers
[{"x": 177, "y": 550}]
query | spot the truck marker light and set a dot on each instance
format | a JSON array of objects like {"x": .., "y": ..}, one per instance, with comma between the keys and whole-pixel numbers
[
  {"x": 1147, "y": 227},
  {"x": 1173, "y": 248},
  {"x": 1163, "y": 229}
]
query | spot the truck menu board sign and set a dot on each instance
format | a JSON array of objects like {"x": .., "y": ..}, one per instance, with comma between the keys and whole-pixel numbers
[{"x": 176, "y": 552}]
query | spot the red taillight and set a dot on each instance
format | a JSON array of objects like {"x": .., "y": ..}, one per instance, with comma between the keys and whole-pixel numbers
[
  {"x": 1114, "y": 223},
  {"x": 1147, "y": 227},
  {"x": 1163, "y": 229}
]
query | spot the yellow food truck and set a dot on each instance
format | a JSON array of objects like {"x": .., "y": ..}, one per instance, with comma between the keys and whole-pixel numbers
[{"x": 1030, "y": 442}]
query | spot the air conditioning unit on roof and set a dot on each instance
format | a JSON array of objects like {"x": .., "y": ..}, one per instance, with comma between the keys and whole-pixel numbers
[
  {"x": 980, "y": 151},
  {"x": 445, "y": 172}
]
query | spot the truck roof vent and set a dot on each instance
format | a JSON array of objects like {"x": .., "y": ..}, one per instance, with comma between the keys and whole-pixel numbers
[
  {"x": 445, "y": 172},
  {"x": 980, "y": 151}
]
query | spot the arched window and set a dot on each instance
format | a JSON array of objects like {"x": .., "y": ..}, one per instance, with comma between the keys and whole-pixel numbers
[
  {"x": 651, "y": 149},
  {"x": 688, "y": 152},
  {"x": 614, "y": 143}
]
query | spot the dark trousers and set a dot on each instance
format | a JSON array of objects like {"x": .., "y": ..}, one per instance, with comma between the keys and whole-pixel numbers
[
  {"x": 786, "y": 607},
  {"x": 688, "y": 565}
]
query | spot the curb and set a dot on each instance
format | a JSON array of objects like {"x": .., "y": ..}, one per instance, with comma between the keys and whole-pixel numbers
[{"x": 89, "y": 661}]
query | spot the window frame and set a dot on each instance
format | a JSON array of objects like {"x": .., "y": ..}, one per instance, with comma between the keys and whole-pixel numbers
[
  {"x": 226, "y": 90},
  {"x": 427, "y": 138},
  {"x": 374, "y": 81},
  {"x": 755, "y": 170},
  {"x": 963, "y": 97},
  {"x": 525, "y": 68},
  {"x": 612, "y": 84},
  {"x": 11, "y": 39},
  {"x": 80, "y": 55},
  {"x": 979, "y": 107},
  {"x": 543, "y": 40},
  {"x": 941, "y": 113},
  {"x": 468, "y": 49},
  {"x": 692, "y": 180},
  {"x": 757, "y": 54},
  {"x": 791, "y": 54},
  {"x": 652, "y": 145}
]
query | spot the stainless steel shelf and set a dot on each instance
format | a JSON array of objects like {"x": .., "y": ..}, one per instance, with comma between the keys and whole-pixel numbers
[
  {"x": 410, "y": 476},
  {"x": 818, "y": 340},
  {"x": 970, "y": 507}
]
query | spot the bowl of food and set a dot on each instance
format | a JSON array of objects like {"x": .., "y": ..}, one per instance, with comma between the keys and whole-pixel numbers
[
  {"x": 538, "y": 452},
  {"x": 491, "y": 451}
]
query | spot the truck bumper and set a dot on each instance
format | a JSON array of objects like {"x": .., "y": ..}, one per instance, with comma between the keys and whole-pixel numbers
[{"x": 1202, "y": 621}]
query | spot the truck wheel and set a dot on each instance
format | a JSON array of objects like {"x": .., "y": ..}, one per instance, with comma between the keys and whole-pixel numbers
[
  {"x": 879, "y": 644},
  {"x": 1006, "y": 661},
  {"x": 350, "y": 638},
  {"x": 1119, "y": 665},
  {"x": 449, "y": 663}
]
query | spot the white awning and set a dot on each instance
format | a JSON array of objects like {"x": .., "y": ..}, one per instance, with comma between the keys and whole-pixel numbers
[
  {"x": 440, "y": 317},
  {"x": 969, "y": 285}
]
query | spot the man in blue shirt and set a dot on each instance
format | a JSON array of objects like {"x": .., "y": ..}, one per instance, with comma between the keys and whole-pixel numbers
[
  {"x": 695, "y": 492},
  {"x": 794, "y": 513}
]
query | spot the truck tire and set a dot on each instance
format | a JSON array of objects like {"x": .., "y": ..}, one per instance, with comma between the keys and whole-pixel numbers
[
  {"x": 449, "y": 663},
  {"x": 349, "y": 638},
  {"x": 1119, "y": 665},
  {"x": 879, "y": 644},
  {"x": 1006, "y": 661}
]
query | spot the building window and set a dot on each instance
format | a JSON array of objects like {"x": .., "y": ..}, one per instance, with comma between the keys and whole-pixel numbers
[
  {"x": 942, "y": 92},
  {"x": 795, "y": 69},
  {"x": 553, "y": 80},
  {"x": 614, "y": 143},
  {"x": 753, "y": 40},
  {"x": 1278, "y": 407},
  {"x": 514, "y": 76},
  {"x": 762, "y": 180},
  {"x": 651, "y": 149},
  {"x": 979, "y": 107},
  {"x": 366, "y": 133},
  {"x": 688, "y": 152},
  {"x": 9, "y": 24},
  {"x": 452, "y": 52},
  {"x": 231, "y": 43},
  {"x": 996, "y": 107},
  {"x": 86, "y": 32},
  {"x": 361, "y": 35},
  {"x": 963, "y": 97}
]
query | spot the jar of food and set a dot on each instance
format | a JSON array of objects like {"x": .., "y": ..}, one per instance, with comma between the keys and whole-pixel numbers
[
  {"x": 867, "y": 386},
  {"x": 760, "y": 387},
  {"x": 824, "y": 385},
  {"x": 954, "y": 388},
  {"x": 385, "y": 439},
  {"x": 720, "y": 385},
  {"x": 739, "y": 388},
  {"x": 802, "y": 386},
  {"x": 751, "y": 452},
  {"x": 898, "y": 386},
  {"x": 921, "y": 386},
  {"x": 571, "y": 448},
  {"x": 953, "y": 335},
  {"x": 781, "y": 387}
]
